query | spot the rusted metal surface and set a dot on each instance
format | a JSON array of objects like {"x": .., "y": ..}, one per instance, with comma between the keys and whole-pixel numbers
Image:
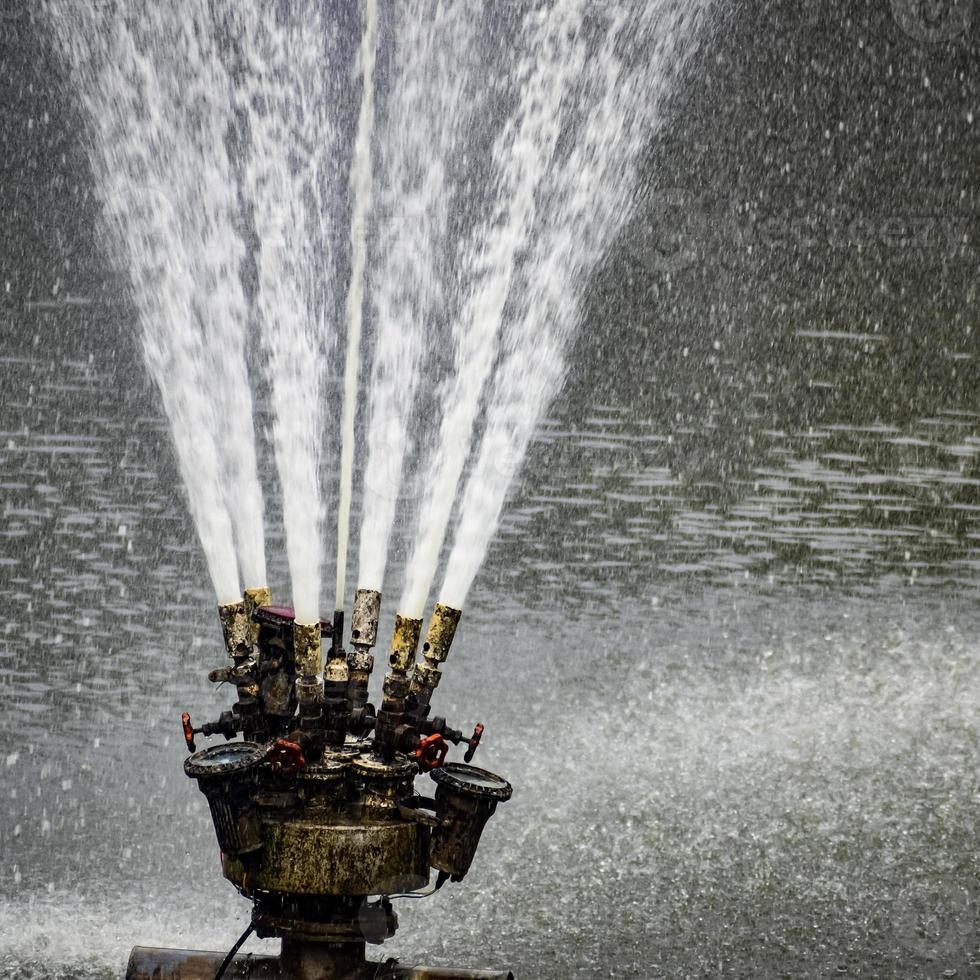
[
  {"x": 364, "y": 618},
  {"x": 339, "y": 856},
  {"x": 235, "y": 628},
  {"x": 384, "y": 783},
  {"x": 253, "y": 598},
  {"x": 404, "y": 642},
  {"x": 306, "y": 648},
  {"x": 442, "y": 630},
  {"x": 148, "y": 963}
]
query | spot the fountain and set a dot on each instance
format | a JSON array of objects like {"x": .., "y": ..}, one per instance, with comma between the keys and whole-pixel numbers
[
  {"x": 312, "y": 794},
  {"x": 312, "y": 815}
]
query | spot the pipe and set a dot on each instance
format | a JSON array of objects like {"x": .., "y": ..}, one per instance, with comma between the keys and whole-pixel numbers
[
  {"x": 363, "y": 636},
  {"x": 404, "y": 641},
  {"x": 253, "y": 599},
  {"x": 235, "y": 628},
  {"x": 336, "y": 707},
  {"x": 147, "y": 963},
  {"x": 435, "y": 650},
  {"x": 309, "y": 659}
]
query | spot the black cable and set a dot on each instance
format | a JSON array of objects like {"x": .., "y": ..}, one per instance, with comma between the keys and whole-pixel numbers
[{"x": 226, "y": 962}]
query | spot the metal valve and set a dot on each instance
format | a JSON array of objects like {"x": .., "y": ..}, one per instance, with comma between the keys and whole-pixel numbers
[
  {"x": 227, "y": 725},
  {"x": 285, "y": 756},
  {"x": 431, "y": 752}
]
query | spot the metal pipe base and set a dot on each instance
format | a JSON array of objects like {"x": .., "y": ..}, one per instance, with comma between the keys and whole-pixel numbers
[{"x": 299, "y": 961}]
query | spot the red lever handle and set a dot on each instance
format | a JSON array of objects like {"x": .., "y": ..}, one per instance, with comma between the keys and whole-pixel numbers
[
  {"x": 185, "y": 722},
  {"x": 431, "y": 752},
  {"x": 473, "y": 742}
]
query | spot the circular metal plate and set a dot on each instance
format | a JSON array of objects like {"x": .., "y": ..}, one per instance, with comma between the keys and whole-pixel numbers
[
  {"x": 472, "y": 780},
  {"x": 219, "y": 760}
]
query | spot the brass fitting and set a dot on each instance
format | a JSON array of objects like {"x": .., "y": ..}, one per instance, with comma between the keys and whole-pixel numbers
[
  {"x": 442, "y": 630},
  {"x": 234, "y": 626},
  {"x": 364, "y": 618},
  {"x": 435, "y": 650},
  {"x": 255, "y": 597},
  {"x": 404, "y": 642},
  {"x": 306, "y": 649}
]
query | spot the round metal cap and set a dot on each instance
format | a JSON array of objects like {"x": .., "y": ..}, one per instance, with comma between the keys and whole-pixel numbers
[
  {"x": 472, "y": 780},
  {"x": 220, "y": 760},
  {"x": 327, "y": 771},
  {"x": 398, "y": 768}
]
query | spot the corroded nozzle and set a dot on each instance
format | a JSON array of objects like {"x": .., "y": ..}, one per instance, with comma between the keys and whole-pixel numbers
[
  {"x": 442, "y": 629},
  {"x": 395, "y": 691},
  {"x": 435, "y": 650},
  {"x": 306, "y": 649},
  {"x": 364, "y": 618},
  {"x": 404, "y": 642},
  {"x": 255, "y": 597},
  {"x": 234, "y": 626}
]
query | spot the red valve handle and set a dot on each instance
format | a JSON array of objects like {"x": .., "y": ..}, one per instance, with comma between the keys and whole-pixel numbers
[
  {"x": 185, "y": 722},
  {"x": 286, "y": 756},
  {"x": 473, "y": 742},
  {"x": 431, "y": 752}
]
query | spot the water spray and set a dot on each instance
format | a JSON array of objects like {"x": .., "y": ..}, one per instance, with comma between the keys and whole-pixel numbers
[{"x": 361, "y": 188}]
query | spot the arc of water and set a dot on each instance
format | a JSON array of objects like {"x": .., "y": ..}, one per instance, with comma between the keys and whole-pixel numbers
[
  {"x": 291, "y": 134},
  {"x": 431, "y": 100},
  {"x": 588, "y": 203},
  {"x": 146, "y": 81},
  {"x": 522, "y": 155},
  {"x": 360, "y": 183}
]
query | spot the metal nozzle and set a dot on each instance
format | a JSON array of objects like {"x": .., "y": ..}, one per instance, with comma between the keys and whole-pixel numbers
[
  {"x": 306, "y": 649},
  {"x": 253, "y": 598},
  {"x": 404, "y": 642},
  {"x": 364, "y": 618},
  {"x": 234, "y": 626},
  {"x": 442, "y": 629},
  {"x": 435, "y": 650}
]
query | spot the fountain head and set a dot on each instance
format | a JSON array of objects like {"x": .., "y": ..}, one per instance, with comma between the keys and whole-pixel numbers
[
  {"x": 235, "y": 628},
  {"x": 311, "y": 819}
]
